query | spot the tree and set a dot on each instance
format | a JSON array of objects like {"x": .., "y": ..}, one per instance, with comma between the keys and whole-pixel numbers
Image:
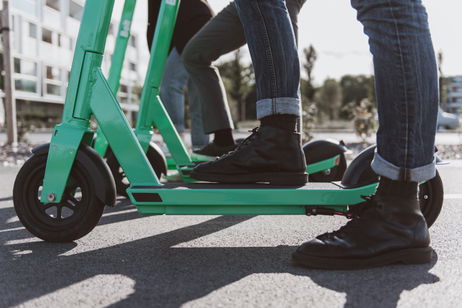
[
  {"x": 364, "y": 119},
  {"x": 355, "y": 88},
  {"x": 329, "y": 99},
  {"x": 308, "y": 91},
  {"x": 238, "y": 79},
  {"x": 310, "y": 58}
]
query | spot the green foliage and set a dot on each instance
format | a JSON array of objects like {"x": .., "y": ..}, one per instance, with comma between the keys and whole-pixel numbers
[
  {"x": 354, "y": 90},
  {"x": 238, "y": 79},
  {"x": 310, "y": 57},
  {"x": 309, "y": 113},
  {"x": 364, "y": 119},
  {"x": 329, "y": 99},
  {"x": 308, "y": 91}
]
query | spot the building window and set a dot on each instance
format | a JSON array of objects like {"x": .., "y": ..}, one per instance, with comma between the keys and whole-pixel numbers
[
  {"x": 47, "y": 36},
  {"x": 132, "y": 66},
  {"x": 53, "y": 89},
  {"x": 53, "y": 73},
  {"x": 25, "y": 75},
  {"x": 25, "y": 67},
  {"x": 53, "y": 80},
  {"x": 32, "y": 30},
  {"x": 27, "y": 6},
  {"x": 75, "y": 10},
  {"x": 54, "y": 4},
  {"x": 25, "y": 85}
]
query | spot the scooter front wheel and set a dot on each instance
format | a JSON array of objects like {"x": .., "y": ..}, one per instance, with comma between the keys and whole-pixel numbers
[{"x": 76, "y": 215}]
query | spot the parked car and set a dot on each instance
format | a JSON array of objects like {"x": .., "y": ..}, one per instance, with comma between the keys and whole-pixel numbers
[{"x": 447, "y": 120}]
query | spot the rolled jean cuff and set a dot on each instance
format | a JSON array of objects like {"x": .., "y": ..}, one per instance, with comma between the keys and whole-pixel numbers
[
  {"x": 278, "y": 105},
  {"x": 393, "y": 172}
]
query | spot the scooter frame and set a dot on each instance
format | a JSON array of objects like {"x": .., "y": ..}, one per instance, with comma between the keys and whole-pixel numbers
[
  {"x": 174, "y": 142},
  {"x": 90, "y": 94}
]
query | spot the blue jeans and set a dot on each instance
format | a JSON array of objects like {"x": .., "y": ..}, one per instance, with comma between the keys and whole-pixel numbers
[
  {"x": 174, "y": 82},
  {"x": 271, "y": 40},
  {"x": 405, "y": 74}
]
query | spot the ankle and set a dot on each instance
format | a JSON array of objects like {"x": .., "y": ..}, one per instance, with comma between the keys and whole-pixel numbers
[
  {"x": 283, "y": 121},
  {"x": 388, "y": 187},
  {"x": 223, "y": 137}
]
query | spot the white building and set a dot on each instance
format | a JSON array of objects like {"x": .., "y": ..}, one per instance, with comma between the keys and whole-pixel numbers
[
  {"x": 44, "y": 34},
  {"x": 454, "y": 96}
]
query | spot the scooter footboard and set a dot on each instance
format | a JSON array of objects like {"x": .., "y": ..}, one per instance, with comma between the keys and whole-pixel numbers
[{"x": 256, "y": 199}]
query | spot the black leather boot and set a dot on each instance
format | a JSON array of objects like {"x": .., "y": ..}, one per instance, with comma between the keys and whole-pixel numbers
[
  {"x": 391, "y": 230},
  {"x": 272, "y": 155},
  {"x": 213, "y": 149}
]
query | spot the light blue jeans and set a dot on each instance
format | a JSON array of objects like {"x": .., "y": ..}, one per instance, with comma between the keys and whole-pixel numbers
[
  {"x": 405, "y": 75},
  {"x": 174, "y": 83}
]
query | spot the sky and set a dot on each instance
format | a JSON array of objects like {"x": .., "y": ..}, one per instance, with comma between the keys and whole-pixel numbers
[{"x": 331, "y": 27}]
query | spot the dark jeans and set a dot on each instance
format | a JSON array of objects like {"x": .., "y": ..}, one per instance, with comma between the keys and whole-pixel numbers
[
  {"x": 223, "y": 34},
  {"x": 405, "y": 72}
]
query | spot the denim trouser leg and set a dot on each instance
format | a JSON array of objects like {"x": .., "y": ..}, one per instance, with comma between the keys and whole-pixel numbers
[
  {"x": 271, "y": 41},
  {"x": 406, "y": 87},
  {"x": 199, "y": 139},
  {"x": 172, "y": 89},
  {"x": 221, "y": 35},
  {"x": 172, "y": 95}
]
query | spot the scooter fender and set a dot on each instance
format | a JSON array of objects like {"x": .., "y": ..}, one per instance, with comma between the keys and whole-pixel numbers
[
  {"x": 160, "y": 156},
  {"x": 360, "y": 173},
  {"x": 105, "y": 190},
  {"x": 318, "y": 150}
]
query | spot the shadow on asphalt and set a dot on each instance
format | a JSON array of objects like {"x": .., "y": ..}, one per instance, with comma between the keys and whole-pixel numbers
[{"x": 168, "y": 276}]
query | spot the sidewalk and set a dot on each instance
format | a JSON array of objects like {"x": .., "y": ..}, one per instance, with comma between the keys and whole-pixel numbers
[{"x": 442, "y": 137}]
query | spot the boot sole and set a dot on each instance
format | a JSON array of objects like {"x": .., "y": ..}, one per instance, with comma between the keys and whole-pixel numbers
[
  {"x": 273, "y": 178},
  {"x": 405, "y": 256}
]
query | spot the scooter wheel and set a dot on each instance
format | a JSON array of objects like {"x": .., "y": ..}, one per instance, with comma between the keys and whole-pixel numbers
[
  {"x": 431, "y": 196},
  {"x": 76, "y": 215},
  {"x": 332, "y": 174},
  {"x": 156, "y": 159}
]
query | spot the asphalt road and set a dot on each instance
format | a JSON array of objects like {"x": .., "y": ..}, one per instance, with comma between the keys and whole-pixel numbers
[{"x": 215, "y": 261}]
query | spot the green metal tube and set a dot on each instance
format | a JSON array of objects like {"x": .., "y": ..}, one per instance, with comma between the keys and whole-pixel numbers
[
  {"x": 118, "y": 57},
  {"x": 121, "y": 44},
  {"x": 152, "y": 111},
  {"x": 68, "y": 135}
]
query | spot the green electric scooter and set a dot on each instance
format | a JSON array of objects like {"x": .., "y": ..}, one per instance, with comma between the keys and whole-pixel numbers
[
  {"x": 325, "y": 159},
  {"x": 60, "y": 192}
]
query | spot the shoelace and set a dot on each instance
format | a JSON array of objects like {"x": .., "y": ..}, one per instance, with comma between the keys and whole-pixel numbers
[{"x": 244, "y": 142}]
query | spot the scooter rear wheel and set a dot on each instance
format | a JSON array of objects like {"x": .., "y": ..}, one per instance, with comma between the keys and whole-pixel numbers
[
  {"x": 156, "y": 159},
  {"x": 431, "y": 197},
  {"x": 330, "y": 175},
  {"x": 76, "y": 215}
]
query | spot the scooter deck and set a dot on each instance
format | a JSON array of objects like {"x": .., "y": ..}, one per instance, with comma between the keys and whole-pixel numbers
[{"x": 252, "y": 199}]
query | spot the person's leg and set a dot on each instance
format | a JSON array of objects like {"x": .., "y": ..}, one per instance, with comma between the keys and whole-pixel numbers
[
  {"x": 219, "y": 36},
  {"x": 392, "y": 228},
  {"x": 172, "y": 89},
  {"x": 199, "y": 139},
  {"x": 224, "y": 33},
  {"x": 273, "y": 152},
  {"x": 294, "y": 7}
]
